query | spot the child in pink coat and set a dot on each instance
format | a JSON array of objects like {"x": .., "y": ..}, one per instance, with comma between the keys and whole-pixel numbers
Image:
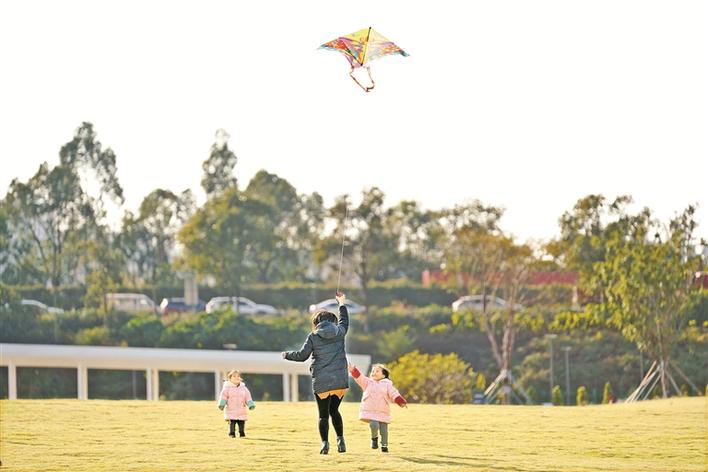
[
  {"x": 378, "y": 393},
  {"x": 234, "y": 399}
]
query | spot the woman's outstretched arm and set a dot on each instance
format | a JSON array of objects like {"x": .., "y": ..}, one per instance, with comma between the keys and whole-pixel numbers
[
  {"x": 302, "y": 355},
  {"x": 343, "y": 324}
]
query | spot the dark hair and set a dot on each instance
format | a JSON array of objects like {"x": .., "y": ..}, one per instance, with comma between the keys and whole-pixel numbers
[
  {"x": 384, "y": 370},
  {"x": 322, "y": 315}
]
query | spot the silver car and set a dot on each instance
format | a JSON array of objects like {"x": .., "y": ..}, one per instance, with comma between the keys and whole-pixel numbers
[
  {"x": 332, "y": 306},
  {"x": 474, "y": 302},
  {"x": 241, "y": 305},
  {"x": 41, "y": 307}
]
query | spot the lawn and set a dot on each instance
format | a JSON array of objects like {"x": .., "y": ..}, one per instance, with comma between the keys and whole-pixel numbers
[{"x": 658, "y": 435}]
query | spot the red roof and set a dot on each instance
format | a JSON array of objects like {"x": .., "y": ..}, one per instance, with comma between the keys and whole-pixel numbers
[
  {"x": 554, "y": 278},
  {"x": 702, "y": 279},
  {"x": 539, "y": 278}
]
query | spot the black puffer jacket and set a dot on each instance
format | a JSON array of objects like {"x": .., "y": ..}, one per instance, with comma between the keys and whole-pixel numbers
[{"x": 329, "y": 361}]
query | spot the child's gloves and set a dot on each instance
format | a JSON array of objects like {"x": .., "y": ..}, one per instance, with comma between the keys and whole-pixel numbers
[
  {"x": 400, "y": 401},
  {"x": 354, "y": 372},
  {"x": 222, "y": 404},
  {"x": 250, "y": 404}
]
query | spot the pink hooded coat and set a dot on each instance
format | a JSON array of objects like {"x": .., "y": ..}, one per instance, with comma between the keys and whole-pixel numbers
[
  {"x": 236, "y": 397},
  {"x": 376, "y": 398}
]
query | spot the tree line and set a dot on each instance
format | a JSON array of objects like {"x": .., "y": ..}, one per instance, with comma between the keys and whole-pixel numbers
[{"x": 637, "y": 274}]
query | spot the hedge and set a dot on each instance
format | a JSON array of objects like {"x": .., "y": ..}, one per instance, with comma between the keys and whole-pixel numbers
[{"x": 282, "y": 296}]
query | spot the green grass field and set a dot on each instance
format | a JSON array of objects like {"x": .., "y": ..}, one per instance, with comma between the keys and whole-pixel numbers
[{"x": 659, "y": 435}]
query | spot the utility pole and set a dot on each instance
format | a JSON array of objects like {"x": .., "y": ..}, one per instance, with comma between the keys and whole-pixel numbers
[
  {"x": 551, "y": 337},
  {"x": 566, "y": 349}
]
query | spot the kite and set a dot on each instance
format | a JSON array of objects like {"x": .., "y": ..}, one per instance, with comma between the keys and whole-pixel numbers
[{"x": 362, "y": 47}]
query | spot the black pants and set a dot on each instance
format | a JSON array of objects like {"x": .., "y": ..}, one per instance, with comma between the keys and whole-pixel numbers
[
  {"x": 329, "y": 407},
  {"x": 241, "y": 426}
]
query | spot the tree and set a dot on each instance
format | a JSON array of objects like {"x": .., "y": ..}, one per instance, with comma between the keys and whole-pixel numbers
[
  {"x": 414, "y": 232},
  {"x": 148, "y": 238},
  {"x": 218, "y": 237},
  {"x": 104, "y": 264},
  {"x": 85, "y": 154},
  {"x": 371, "y": 250},
  {"x": 310, "y": 236},
  {"x": 219, "y": 166},
  {"x": 646, "y": 279},
  {"x": 498, "y": 267},
  {"x": 48, "y": 210},
  {"x": 471, "y": 231},
  {"x": 584, "y": 233},
  {"x": 54, "y": 215},
  {"x": 274, "y": 254},
  {"x": 516, "y": 262},
  {"x": 16, "y": 265}
]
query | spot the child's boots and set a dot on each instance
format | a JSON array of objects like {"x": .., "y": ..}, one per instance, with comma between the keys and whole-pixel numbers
[
  {"x": 341, "y": 447},
  {"x": 375, "y": 443}
]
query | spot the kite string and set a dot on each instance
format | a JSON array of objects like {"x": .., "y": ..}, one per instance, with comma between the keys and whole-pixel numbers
[{"x": 341, "y": 255}]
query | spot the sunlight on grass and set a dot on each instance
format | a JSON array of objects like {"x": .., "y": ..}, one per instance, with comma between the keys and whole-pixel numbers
[{"x": 660, "y": 435}]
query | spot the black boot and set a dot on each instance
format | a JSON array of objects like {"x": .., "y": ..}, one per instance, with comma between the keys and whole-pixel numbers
[
  {"x": 325, "y": 447},
  {"x": 341, "y": 447},
  {"x": 375, "y": 443},
  {"x": 384, "y": 448}
]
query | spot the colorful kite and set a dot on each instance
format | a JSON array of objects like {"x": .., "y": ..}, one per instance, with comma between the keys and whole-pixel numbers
[{"x": 362, "y": 47}]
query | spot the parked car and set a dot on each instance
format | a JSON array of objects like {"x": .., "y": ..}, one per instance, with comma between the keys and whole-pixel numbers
[
  {"x": 41, "y": 307},
  {"x": 332, "y": 306},
  {"x": 241, "y": 305},
  {"x": 474, "y": 302},
  {"x": 130, "y": 302},
  {"x": 178, "y": 305}
]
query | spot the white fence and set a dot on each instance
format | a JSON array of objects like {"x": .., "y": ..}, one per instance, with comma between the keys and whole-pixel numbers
[{"x": 152, "y": 361}]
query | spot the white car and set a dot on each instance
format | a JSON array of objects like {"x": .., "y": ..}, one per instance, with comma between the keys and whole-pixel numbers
[
  {"x": 474, "y": 302},
  {"x": 241, "y": 305},
  {"x": 41, "y": 307},
  {"x": 130, "y": 302},
  {"x": 332, "y": 306}
]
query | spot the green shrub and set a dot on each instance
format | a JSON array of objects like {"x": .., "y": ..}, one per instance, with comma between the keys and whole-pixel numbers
[
  {"x": 96, "y": 336},
  {"x": 437, "y": 378},
  {"x": 9, "y": 296},
  {"x": 557, "y": 396},
  {"x": 581, "y": 397},
  {"x": 481, "y": 383},
  {"x": 532, "y": 394},
  {"x": 394, "y": 344},
  {"x": 607, "y": 393}
]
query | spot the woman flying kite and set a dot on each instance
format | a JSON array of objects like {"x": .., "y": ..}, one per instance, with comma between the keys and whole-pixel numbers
[{"x": 362, "y": 47}]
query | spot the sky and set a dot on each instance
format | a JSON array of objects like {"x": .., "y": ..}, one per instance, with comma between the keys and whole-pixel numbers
[{"x": 528, "y": 105}]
